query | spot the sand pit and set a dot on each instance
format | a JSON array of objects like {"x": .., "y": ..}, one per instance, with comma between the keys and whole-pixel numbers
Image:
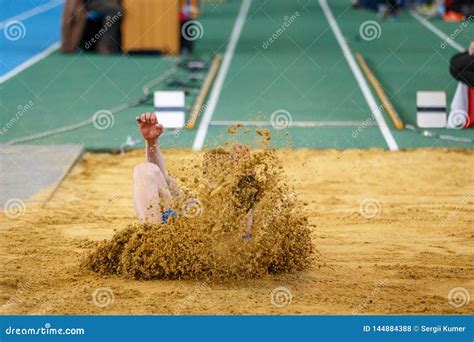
[
  {"x": 394, "y": 233},
  {"x": 209, "y": 236}
]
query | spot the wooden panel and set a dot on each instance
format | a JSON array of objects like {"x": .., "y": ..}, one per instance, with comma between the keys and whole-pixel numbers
[{"x": 151, "y": 25}]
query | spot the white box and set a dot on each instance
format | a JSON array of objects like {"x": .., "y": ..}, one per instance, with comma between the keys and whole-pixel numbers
[
  {"x": 431, "y": 109},
  {"x": 171, "y": 119},
  {"x": 169, "y": 99},
  {"x": 170, "y": 108}
]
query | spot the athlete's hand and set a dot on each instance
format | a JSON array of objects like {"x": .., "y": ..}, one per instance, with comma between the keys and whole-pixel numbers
[
  {"x": 471, "y": 49},
  {"x": 149, "y": 126}
]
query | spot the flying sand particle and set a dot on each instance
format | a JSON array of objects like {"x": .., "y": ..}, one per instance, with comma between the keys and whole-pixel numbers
[{"x": 211, "y": 238}]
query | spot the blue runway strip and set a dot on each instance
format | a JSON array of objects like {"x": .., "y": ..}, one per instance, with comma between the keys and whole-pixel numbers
[
  {"x": 27, "y": 28},
  {"x": 11, "y": 8},
  {"x": 239, "y": 328}
]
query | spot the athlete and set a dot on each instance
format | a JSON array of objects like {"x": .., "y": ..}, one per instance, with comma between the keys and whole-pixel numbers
[{"x": 154, "y": 190}]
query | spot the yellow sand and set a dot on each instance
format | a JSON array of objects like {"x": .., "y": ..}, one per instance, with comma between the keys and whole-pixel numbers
[
  {"x": 394, "y": 233},
  {"x": 208, "y": 235}
]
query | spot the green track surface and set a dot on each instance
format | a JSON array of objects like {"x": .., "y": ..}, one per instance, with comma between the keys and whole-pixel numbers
[
  {"x": 66, "y": 89},
  {"x": 303, "y": 72},
  {"x": 406, "y": 58}
]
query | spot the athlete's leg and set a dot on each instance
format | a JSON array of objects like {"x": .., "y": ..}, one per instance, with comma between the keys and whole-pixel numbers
[
  {"x": 150, "y": 193},
  {"x": 151, "y": 130}
]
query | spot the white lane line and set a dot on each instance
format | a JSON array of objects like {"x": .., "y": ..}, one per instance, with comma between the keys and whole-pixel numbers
[
  {"x": 219, "y": 82},
  {"x": 437, "y": 32},
  {"x": 36, "y": 58},
  {"x": 299, "y": 124},
  {"x": 31, "y": 13},
  {"x": 364, "y": 87}
]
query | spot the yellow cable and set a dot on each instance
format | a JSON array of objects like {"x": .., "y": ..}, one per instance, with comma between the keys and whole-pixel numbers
[
  {"x": 380, "y": 92},
  {"x": 204, "y": 90}
]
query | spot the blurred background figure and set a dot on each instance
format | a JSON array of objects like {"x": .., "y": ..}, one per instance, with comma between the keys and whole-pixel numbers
[
  {"x": 189, "y": 11},
  {"x": 73, "y": 24},
  {"x": 385, "y": 8},
  {"x": 91, "y": 25},
  {"x": 108, "y": 14},
  {"x": 462, "y": 106},
  {"x": 448, "y": 10}
]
